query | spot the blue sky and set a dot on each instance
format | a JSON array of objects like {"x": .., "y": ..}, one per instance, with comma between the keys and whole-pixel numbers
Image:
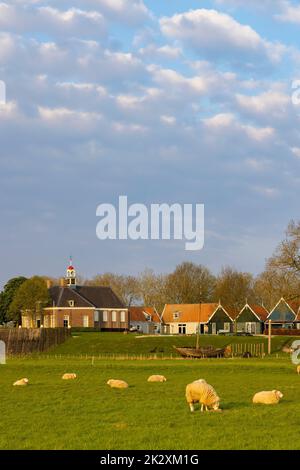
[{"x": 182, "y": 101}]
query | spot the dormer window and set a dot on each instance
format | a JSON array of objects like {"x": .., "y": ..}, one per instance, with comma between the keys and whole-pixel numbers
[
  {"x": 176, "y": 315},
  {"x": 147, "y": 316},
  {"x": 71, "y": 303}
]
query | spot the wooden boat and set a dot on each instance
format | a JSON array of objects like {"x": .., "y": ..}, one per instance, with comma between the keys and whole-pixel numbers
[{"x": 208, "y": 351}]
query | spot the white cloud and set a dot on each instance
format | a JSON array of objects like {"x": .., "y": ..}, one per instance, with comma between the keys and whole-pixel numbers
[
  {"x": 49, "y": 20},
  {"x": 219, "y": 36}
]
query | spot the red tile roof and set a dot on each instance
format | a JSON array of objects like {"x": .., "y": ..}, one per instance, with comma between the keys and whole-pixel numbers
[
  {"x": 260, "y": 311},
  {"x": 138, "y": 314},
  {"x": 195, "y": 313}
]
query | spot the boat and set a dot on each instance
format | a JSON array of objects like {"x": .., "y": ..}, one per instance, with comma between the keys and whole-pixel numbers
[{"x": 199, "y": 353}]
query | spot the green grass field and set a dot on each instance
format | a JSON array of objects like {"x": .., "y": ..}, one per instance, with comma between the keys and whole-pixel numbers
[
  {"x": 86, "y": 414},
  {"x": 117, "y": 343}
]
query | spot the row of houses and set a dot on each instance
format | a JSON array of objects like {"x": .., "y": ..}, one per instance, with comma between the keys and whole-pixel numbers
[
  {"x": 214, "y": 318},
  {"x": 100, "y": 308}
]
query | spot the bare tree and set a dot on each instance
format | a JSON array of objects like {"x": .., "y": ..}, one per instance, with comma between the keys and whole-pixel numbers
[{"x": 233, "y": 288}]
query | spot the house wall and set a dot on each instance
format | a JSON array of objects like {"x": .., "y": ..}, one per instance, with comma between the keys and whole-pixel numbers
[
  {"x": 107, "y": 323},
  {"x": 144, "y": 327},
  {"x": 247, "y": 316},
  {"x": 191, "y": 328},
  {"x": 220, "y": 318},
  {"x": 80, "y": 318}
]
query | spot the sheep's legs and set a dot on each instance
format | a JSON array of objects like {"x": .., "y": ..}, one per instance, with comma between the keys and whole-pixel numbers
[
  {"x": 202, "y": 407},
  {"x": 192, "y": 407}
]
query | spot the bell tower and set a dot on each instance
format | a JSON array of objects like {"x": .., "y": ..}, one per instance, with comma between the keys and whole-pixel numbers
[{"x": 71, "y": 275}]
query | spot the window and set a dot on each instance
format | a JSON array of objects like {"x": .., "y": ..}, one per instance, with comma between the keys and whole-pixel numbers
[
  {"x": 227, "y": 326},
  {"x": 66, "y": 321},
  {"x": 52, "y": 321},
  {"x": 114, "y": 316},
  {"x": 175, "y": 315},
  {"x": 71, "y": 303},
  {"x": 123, "y": 316},
  {"x": 182, "y": 329},
  {"x": 85, "y": 321},
  {"x": 96, "y": 315},
  {"x": 104, "y": 316}
]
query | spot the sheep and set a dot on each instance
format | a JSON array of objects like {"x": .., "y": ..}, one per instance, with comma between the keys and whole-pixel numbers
[
  {"x": 298, "y": 369},
  {"x": 69, "y": 376},
  {"x": 267, "y": 398},
  {"x": 157, "y": 378},
  {"x": 117, "y": 383},
  {"x": 200, "y": 391},
  {"x": 21, "y": 382}
]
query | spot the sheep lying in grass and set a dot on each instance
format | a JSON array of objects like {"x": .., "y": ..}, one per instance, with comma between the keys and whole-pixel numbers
[
  {"x": 21, "y": 382},
  {"x": 268, "y": 398},
  {"x": 298, "y": 369},
  {"x": 200, "y": 391},
  {"x": 117, "y": 383},
  {"x": 69, "y": 376},
  {"x": 157, "y": 378}
]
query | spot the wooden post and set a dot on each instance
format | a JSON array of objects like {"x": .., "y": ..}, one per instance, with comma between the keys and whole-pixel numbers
[{"x": 269, "y": 337}]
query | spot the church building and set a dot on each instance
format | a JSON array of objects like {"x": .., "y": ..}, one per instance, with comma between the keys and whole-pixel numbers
[{"x": 80, "y": 306}]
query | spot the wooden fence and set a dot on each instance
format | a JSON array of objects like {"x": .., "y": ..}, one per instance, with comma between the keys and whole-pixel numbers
[
  {"x": 24, "y": 341},
  {"x": 251, "y": 349},
  {"x": 283, "y": 331}
]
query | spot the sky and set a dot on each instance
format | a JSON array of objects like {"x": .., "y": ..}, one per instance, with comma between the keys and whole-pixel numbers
[{"x": 162, "y": 101}]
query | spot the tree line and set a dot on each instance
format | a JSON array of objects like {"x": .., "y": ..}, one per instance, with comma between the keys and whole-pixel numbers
[{"x": 188, "y": 283}]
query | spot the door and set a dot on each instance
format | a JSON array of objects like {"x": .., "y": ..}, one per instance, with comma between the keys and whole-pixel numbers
[
  {"x": 214, "y": 328},
  {"x": 85, "y": 321},
  {"x": 250, "y": 328},
  {"x": 182, "y": 329}
]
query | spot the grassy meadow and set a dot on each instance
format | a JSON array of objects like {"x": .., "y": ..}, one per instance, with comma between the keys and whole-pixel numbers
[
  {"x": 86, "y": 414},
  {"x": 82, "y": 343}
]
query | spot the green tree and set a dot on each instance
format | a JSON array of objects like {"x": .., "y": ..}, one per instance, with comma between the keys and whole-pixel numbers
[
  {"x": 190, "y": 283},
  {"x": 233, "y": 288},
  {"x": 7, "y": 296},
  {"x": 32, "y": 296}
]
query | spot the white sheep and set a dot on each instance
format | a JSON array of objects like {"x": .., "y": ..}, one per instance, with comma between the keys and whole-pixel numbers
[
  {"x": 200, "y": 391},
  {"x": 21, "y": 382},
  {"x": 157, "y": 378},
  {"x": 267, "y": 398},
  {"x": 298, "y": 370},
  {"x": 117, "y": 383},
  {"x": 69, "y": 376}
]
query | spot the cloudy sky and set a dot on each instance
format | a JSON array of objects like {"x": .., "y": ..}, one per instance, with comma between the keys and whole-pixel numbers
[{"x": 163, "y": 101}]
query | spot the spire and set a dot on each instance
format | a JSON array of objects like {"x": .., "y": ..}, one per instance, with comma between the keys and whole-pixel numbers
[{"x": 71, "y": 274}]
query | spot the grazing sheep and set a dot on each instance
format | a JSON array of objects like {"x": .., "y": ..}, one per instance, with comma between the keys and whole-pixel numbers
[
  {"x": 200, "y": 391},
  {"x": 117, "y": 383},
  {"x": 69, "y": 376},
  {"x": 21, "y": 382},
  {"x": 298, "y": 369},
  {"x": 268, "y": 398},
  {"x": 157, "y": 378}
]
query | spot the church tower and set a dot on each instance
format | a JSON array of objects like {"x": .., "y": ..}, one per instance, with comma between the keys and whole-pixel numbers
[{"x": 71, "y": 275}]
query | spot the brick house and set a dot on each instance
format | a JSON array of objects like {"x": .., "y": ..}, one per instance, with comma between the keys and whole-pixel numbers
[{"x": 80, "y": 306}]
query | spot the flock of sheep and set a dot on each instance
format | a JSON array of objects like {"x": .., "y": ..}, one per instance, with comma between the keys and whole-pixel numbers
[{"x": 198, "y": 391}]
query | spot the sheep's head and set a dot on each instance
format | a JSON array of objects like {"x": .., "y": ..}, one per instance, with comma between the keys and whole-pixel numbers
[
  {"x": 26, "y": 381},
  {"x": 278, "y": 394},
  {"x": 216, "y": 406}
]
